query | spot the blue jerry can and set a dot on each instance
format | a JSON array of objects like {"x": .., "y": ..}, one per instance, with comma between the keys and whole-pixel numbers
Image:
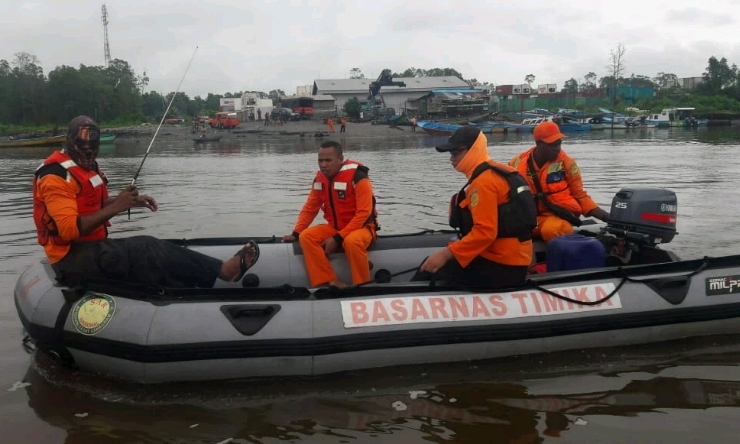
[{"x": 575, "y": 252}]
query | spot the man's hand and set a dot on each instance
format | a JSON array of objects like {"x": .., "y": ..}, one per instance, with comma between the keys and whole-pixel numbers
[
  {"x": 436, "y": 260},
  {"x": 126, "y": 199},
  {"x": 146, "y": 202},
  {"x": 330, "y": 245},
  {"x": 600, "y": 214},
  {"x": 288, "y": 238}
]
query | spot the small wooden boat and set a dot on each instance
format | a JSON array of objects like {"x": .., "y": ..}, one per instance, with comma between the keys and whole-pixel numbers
[
  {"x": 37, "y": 141},
  {"x": 107, "y": 138},
  {"x": 207, "y": 138}
]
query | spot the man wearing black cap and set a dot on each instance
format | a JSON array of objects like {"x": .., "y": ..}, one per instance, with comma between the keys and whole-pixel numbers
[
  {"x": 495, "y": 248},
  {"x": 72, "y": 209}
]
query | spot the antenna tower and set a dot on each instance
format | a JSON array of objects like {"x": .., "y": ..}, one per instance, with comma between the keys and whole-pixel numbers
[{"x": 105, "y": 35}]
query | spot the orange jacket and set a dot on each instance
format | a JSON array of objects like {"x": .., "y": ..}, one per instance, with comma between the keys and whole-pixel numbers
[
  {"x": 560, "y": 181},
  {"x": 63, "y": 191},
  {"x": 483, "y": 196},
  {"x": 347, "y": 201}
]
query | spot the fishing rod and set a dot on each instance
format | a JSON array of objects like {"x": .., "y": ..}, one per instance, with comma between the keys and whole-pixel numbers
[{"x": 164, "y": 116}]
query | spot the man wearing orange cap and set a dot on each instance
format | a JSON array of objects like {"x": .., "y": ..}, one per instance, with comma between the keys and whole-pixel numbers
[{"x": 556, "y": 183}]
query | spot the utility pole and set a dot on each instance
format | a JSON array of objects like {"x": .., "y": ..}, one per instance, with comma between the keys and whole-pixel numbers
[{"x": 105, "y": 36}]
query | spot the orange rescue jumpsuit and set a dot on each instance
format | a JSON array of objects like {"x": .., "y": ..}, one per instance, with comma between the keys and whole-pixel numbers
[
  {"x": 562, "y": 183},
  {"x": 483, "y": 196},
  {"x": 349, "y": 208}
]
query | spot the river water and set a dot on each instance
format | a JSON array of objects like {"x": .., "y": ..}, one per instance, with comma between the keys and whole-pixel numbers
[{"x": 685, "y": 391}]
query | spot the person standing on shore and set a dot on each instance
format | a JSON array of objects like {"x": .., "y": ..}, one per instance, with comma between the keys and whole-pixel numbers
[
  {"x": 413, "y": 124},
  {"x": 330, "y": 124},
  {"x": 343, "y": 123},
  {"x": 259, "y": 115}
]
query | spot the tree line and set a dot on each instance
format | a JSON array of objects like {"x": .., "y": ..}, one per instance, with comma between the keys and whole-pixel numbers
[{"x": 115, "y": 94}]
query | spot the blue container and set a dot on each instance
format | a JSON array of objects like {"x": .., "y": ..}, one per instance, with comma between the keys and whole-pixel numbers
[{"x": 575, "y": 252}]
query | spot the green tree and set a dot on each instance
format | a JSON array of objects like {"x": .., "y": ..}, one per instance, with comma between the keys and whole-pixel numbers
[
  {"x": 589, "y": 82},
  {"x": 352, "y": 107},
  {"x": 275, "y": 95},
  {"x": 718, "y": 76},
  {"x": 570, "y": 86},
  {"x": 355, "y": 73}
]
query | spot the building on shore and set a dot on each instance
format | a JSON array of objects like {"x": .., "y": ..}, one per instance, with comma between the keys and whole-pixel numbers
[
  {"x": 444, "y": 103},
  {"x": 400, "y": 98},
  {"x": 250, "y": 104},
  {"x": 304, "y": 90},
  {"x": 323, "y": 106},
  {"x": 231, "y": 104}
]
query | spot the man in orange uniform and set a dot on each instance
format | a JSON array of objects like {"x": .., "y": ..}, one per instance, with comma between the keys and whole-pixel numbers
[
  {"x": 343, "y": 191},
  {"x": 496, "y": 245},
  {"x": 71, "y": 211},
  {"x": 556, "y": 181}
]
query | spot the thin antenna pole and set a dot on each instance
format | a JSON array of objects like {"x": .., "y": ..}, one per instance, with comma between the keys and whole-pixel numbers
[{"x": 106, "y": 47}]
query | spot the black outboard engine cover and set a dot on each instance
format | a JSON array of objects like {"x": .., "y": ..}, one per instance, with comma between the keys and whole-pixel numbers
[{"x": 644, "y": 214}]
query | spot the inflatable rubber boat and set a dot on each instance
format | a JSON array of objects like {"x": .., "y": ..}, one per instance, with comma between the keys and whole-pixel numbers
[{"x": 606, "y": 285}]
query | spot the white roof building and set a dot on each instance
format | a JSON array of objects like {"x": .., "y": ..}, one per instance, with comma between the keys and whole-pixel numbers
[{"x": 397, "y": 97}]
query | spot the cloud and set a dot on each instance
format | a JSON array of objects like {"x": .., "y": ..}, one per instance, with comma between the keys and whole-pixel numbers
[
  {"x": 282, "y": 44},
  {"x": 694, "y": 16}
]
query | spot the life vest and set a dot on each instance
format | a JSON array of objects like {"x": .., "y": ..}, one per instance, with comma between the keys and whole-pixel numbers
[
  {"x": 516, "y": 218},
  {"x": 93, "y": 192},
  {"x": 551, "y": 190},
  {"x": 338, "y": 199}
]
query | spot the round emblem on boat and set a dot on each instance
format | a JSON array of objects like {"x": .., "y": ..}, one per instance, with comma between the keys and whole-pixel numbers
[{"x": 93, "y": 312}]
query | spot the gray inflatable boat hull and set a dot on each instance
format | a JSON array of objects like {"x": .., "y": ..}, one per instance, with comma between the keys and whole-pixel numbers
[{"x": 272, "y": 324}]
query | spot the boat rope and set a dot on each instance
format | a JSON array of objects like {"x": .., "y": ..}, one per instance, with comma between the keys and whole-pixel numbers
[
  {"x": 624, "y": 279},
  {"x": 383, "y": 278}
]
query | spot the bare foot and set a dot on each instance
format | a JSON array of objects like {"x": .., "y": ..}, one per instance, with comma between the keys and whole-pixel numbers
[
  {"x": 337, "y": 283},
  {"x": 231, "y": 269}
]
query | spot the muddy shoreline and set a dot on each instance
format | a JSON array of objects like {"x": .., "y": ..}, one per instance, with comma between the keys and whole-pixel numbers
[{"x": 301, "y": 129}]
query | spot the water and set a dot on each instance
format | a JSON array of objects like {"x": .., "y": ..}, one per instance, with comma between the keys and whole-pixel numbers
[{"x": 685, "y": 391}]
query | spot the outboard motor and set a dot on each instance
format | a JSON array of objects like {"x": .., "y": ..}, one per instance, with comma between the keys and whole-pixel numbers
[{"x": 641, "y": 218}]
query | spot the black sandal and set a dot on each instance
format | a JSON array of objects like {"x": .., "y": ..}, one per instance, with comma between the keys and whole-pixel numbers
[{"x": 243, "y": 267}]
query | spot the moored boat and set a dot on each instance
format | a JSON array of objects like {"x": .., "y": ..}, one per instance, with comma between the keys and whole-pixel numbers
[
  {"x": 437, "y": 129},
  {"x": 107, "y": 138},
  {"x": 37, "y": 141},
  {"x": 609, "y": 284},
  {"x": 204, "y": 138}
]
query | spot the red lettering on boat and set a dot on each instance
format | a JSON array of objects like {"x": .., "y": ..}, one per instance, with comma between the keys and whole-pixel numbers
[
  {"x": 551, "y": 303},
  {"x": 438, "y": 307},
  {"x": 359, "y": 312},
  {"x": 536, "y": 302},
  {"x": 400, "y": 313},
  {"x": 418, "y": 310},
  {"x": 459, "y": 307},
  {"x": 499, "y": 306},
  {"x": 479, "y": 308},
  {"x": 522, "y": 302},
  {"x": 579, "y": 294},
  {"x": 601, "y": 294},
  {"x": 380, "y": 313}
]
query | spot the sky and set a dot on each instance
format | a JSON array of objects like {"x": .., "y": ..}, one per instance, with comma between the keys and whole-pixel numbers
[{"x": 264, "y": 45}]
